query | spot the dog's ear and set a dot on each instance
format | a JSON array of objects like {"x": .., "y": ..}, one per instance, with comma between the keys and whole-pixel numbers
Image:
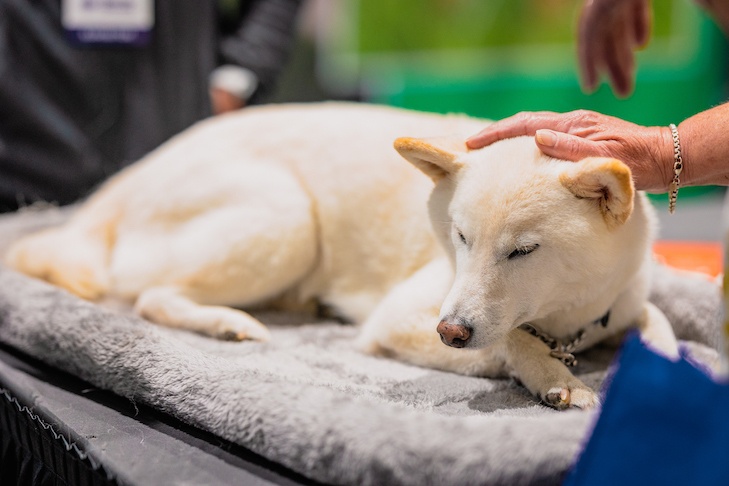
[
  {"x": 606, "y": 181},
  {"x": 436, "y": 157}
]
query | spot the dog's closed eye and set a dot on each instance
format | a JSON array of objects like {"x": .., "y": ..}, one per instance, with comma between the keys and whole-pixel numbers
[
  {"x": 522, "y": 251},
  {"x": 456, "y": 232}
]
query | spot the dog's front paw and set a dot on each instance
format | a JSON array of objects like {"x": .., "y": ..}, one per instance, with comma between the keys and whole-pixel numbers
[
  {"x": 574, "y": 396},
  {"x": 237, "y": 328}
]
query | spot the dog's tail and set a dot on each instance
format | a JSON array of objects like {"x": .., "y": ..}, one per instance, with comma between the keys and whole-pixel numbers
[{"x": 73, "y": 256}]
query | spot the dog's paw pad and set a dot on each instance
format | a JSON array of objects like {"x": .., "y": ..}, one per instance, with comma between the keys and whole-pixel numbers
[
  {"x": 242, "y": 333},
  {"x": 231, "y": 336},
  {"x": 562, "y": 398},
  {"x": 557, "y": 397}
]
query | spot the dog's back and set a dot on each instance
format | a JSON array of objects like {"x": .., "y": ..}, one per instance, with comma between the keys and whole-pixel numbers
[{"x": 331, "y": 167}]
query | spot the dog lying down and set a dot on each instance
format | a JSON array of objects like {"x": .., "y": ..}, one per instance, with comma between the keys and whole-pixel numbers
[{"x": 517, "y": 258}]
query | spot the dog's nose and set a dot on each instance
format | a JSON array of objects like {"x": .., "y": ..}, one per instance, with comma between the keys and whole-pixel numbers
[{"x": 455, "y": 335}]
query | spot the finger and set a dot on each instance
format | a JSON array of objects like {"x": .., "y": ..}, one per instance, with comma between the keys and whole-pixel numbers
[
  {"x": 565, "y": 146},
  {"x": 588, "y": 67},
  {"x": 620, "y": 61},
  {"x": 642, "y": 23},
  {"x": 524, "y": 123},
  {"x": 588, "y": 44}
]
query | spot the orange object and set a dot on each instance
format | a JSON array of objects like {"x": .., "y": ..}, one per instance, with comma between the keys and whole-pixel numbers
[{"x": 697, "y": 256}]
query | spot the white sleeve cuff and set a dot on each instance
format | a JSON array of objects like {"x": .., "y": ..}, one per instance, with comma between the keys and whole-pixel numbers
[{"x": 234, "y": 79}]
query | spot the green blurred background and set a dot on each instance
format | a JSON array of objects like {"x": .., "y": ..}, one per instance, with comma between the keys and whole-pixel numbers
[{"x": 494, "y": 58}]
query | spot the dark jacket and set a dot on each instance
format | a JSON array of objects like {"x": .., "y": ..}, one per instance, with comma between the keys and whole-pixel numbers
[{"x": 71, "y": 116}]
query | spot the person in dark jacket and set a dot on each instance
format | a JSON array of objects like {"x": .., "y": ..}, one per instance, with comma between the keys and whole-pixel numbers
[{"x": 82, "y": 96}]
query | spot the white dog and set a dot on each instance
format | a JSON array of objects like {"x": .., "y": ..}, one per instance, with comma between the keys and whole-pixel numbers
[{"x": 527, "y": 259}]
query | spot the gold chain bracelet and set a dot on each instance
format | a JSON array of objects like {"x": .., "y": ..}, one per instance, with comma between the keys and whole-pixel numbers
[{"x": 677, "y": 168}]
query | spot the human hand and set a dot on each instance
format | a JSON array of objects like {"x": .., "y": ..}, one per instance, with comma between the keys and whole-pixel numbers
[
  {"x": 231, "y": 86},
  {"x": 608, "y": 34},
  {"x": 223, "y": 101},
  {"x": 648, "y": 151}
]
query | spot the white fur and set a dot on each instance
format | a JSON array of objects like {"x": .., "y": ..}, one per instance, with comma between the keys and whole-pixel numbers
[{"x": 297, "y": 202}]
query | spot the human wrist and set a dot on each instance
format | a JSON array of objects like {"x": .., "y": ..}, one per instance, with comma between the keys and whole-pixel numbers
[
  {"x": 688, "y": 175},
  {"x": 677, "y": 169},
  {"x": 664, "y": 157}
]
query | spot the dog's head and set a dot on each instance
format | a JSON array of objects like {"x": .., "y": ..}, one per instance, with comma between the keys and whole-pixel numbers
[{"x": 527, "y": 235}]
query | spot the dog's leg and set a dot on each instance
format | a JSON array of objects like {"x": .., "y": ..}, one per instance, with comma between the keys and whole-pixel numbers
[
  {"x": 529, "y": 360},
  {"x": 66, "y": 257},
  {"x": 170, "y": 306},
  {"x": 242, "y": 253},
  {"x": 656, "y": 331},
  {"x": 223, "y": 262},
  {"x": 404, "y": 326},
  {"x": 75, "y": 255}
]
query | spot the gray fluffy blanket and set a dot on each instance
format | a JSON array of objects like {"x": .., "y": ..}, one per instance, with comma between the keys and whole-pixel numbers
[{"x": 310, "y": 401}]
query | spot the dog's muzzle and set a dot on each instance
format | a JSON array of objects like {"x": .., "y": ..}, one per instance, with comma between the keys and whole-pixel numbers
[{"x": 454, "y": 335}]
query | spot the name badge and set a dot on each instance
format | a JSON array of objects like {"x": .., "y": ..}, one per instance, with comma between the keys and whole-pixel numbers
[{"x": 108, "y": 22}]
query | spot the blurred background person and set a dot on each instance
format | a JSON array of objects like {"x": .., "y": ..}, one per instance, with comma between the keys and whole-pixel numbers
[{"x": 87, "y": 87}]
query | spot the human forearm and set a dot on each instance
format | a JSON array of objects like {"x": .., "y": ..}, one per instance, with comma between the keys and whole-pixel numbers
[{"x": 705, "y": 147}]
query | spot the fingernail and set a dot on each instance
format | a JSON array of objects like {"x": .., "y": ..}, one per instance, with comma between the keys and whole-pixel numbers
[{"x": 546, "y": 137}]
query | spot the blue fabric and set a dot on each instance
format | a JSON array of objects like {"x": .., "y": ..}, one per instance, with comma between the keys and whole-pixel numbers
[{"x": 661, "y": 422}]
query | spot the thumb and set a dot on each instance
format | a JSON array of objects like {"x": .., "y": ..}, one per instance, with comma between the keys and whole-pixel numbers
[{"x": 564, "y": 146}]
